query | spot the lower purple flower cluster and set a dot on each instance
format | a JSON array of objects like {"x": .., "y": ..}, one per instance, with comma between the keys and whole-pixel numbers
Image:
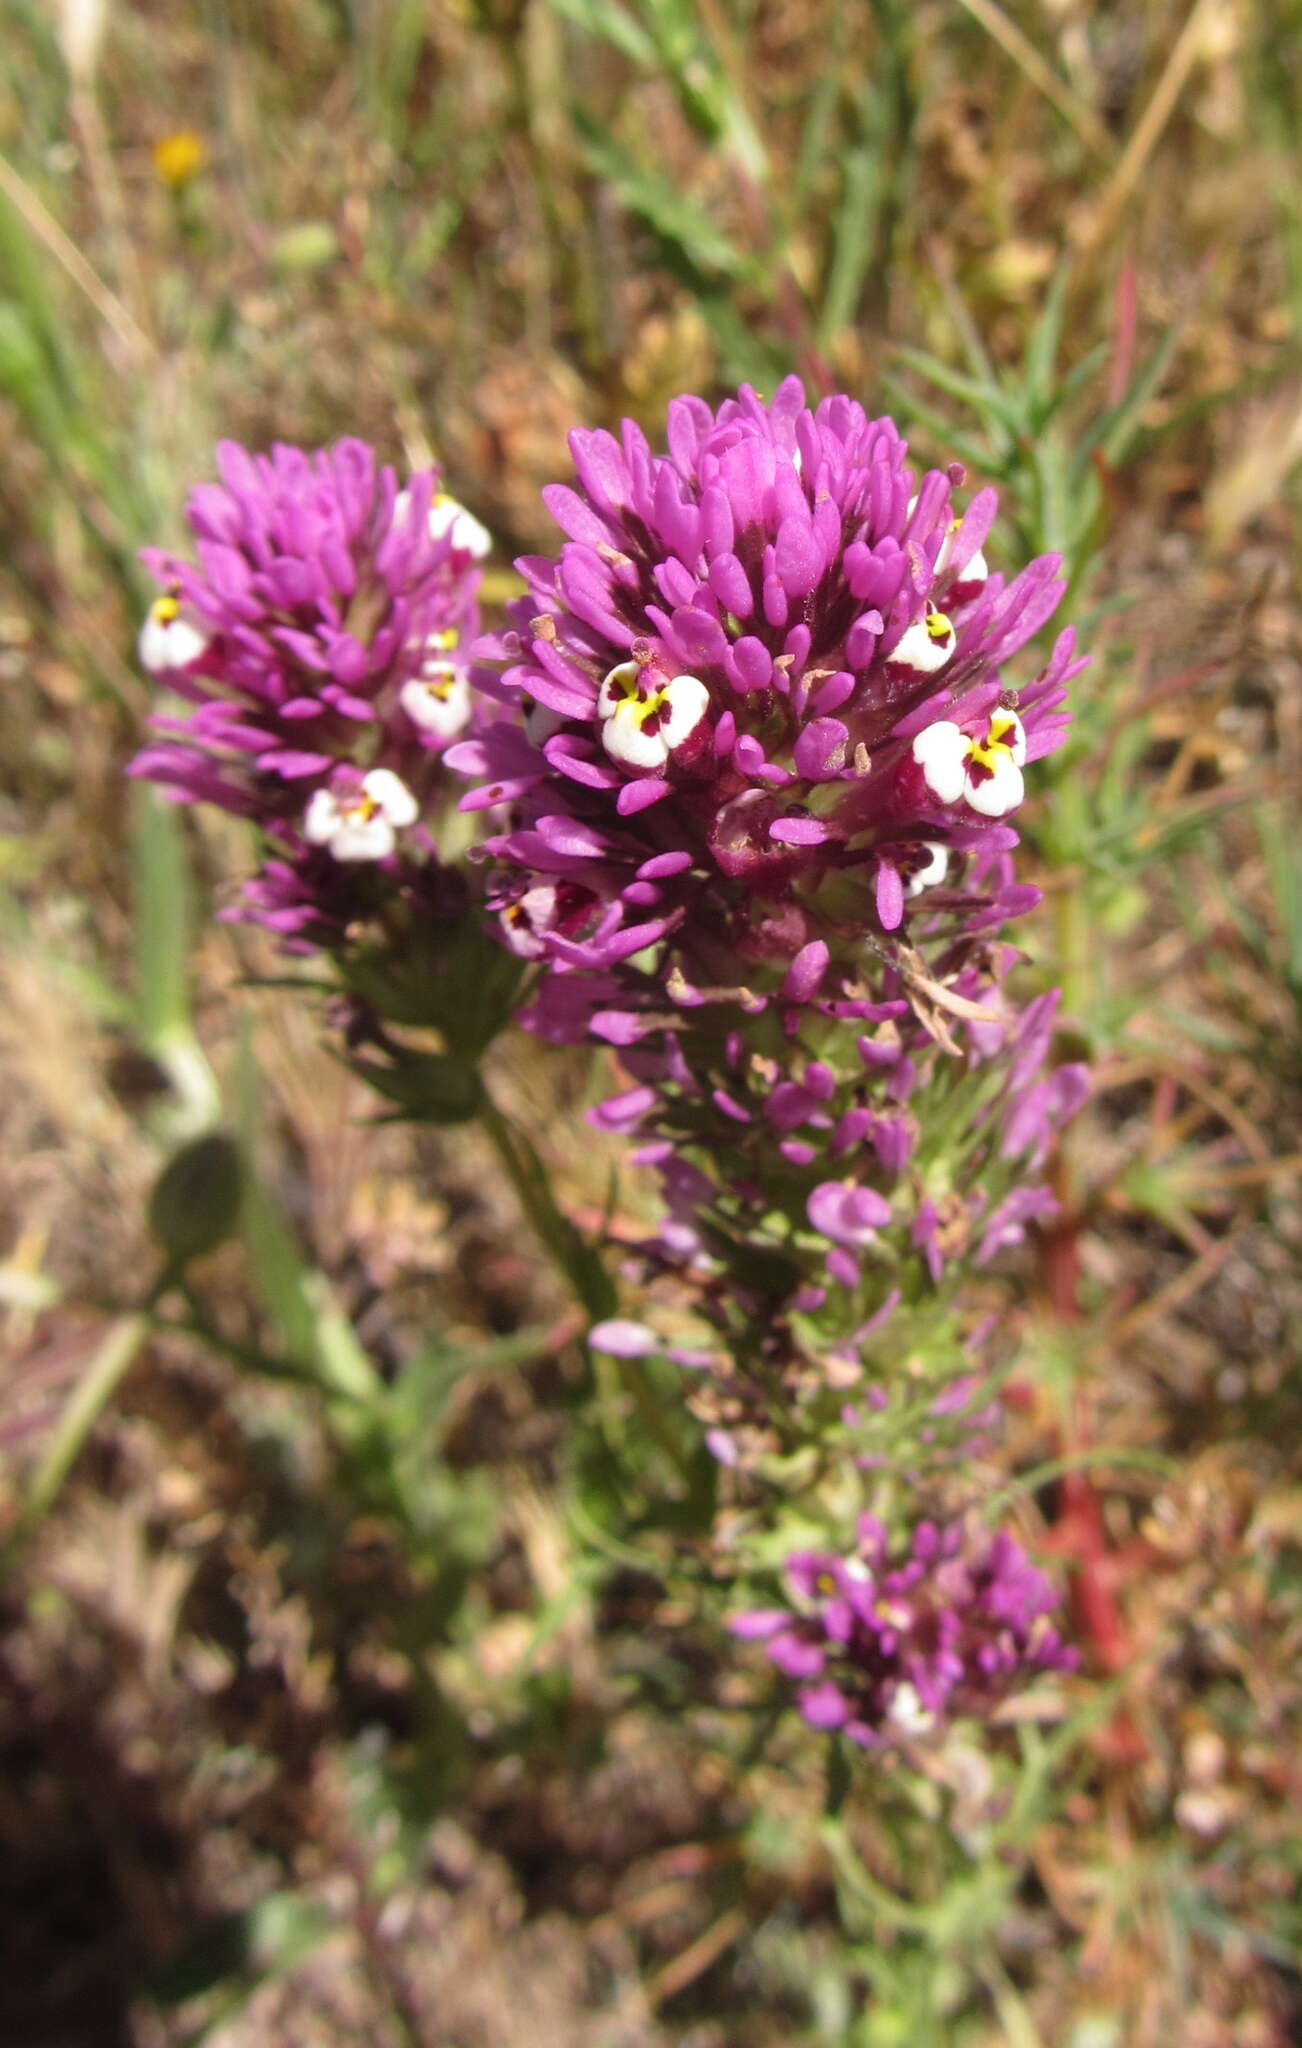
[{"x": 885, "y": 1649}]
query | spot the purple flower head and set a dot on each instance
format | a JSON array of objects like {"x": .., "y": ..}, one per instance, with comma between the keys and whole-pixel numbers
[
  {"x": 320, "y": 638},
  {"x": 757, "y": 708},
  {"x": 889, "y": 1646}
]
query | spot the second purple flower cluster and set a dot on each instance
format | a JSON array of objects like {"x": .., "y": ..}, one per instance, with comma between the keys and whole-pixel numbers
[{"x": 321, "y": 639}]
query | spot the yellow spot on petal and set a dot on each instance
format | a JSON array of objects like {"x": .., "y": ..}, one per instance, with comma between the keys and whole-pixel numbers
[
  {"x": 997, "y": 746},
  {"x": 638, "y": 702},
  {"x": 165, "y": 609},
  {"x": 938, "y": 626},
  {"x": 1002, "y": 723}
]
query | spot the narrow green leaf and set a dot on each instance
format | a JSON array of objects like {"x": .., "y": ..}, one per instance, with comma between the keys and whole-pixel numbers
[
  {"x": 1114, "y": 429},
  {"x": 984, "y": 395},
  {"x": 941, "y": 430},
  {"x": 578, "y": 1260},
  {"x": 296, "y": 1295},
  {"x": 649, "y": 194},
  {"x": 279, "y": 1269},
  {"x": 986, "y": 400},
  {"x": 164, "y": 908},
  {"x": 25, "y": 376},
  {"x": 1124, "y": 422},
  {"x": 854, "y": 239},
  {"x": 108, "y": 1364},
  {"x": 1075, "y": 381},
  {"x": 612, "y": 24},
  {"x": 1046, "y": 335},
  {"x": 427, "y": 1380},
  {"x": 162, "y": 919}
]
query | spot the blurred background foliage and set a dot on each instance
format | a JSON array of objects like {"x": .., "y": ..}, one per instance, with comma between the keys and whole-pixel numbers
[{"x": 354, "y": 1683}]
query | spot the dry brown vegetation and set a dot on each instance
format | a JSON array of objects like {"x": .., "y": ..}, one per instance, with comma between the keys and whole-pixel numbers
[{"x": 242, "y": 1737}]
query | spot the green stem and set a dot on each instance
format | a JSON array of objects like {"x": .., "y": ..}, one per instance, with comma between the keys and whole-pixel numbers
[
  {"x": 1077, "y": 980},
  {"x": 836, "y": 1785},
  {"x": 576, "y": 1259},
  {"x": 581, "y": 1266},
  {"x": 110, "y": 1363},
  {"x": 874, "y": 1901}
]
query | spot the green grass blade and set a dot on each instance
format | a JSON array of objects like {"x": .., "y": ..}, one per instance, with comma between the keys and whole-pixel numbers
[
  {"x": 988, "y": 401},
  {"x": 676, "y": 218},
  {"x": 611, "y": 24},
  {"x": 854, "y": 239},
  {"x": 1113, "y": 431},
  {"x": 1046, "y": 336},
  {"x": 295, "y": 1294},
  {"x": 163, "y": 904}
]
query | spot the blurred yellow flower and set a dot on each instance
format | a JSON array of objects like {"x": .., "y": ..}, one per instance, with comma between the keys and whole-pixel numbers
[{"x": 178, "y": 158}]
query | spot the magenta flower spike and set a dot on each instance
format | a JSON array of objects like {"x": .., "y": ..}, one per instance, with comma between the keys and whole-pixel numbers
[{"x": 761, "y": 729}]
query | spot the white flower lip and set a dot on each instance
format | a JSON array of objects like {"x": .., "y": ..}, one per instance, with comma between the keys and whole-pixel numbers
[
  {"x": 526, "y": 921},
  {"x": 941, "y": 751},
  {"x": 985, "y": 772},
  {"x": 540, "y": 721},
  {"x": 643, "y": 721},
  {"x": 933, "y": 873},
  {"x": 466, "y": 532},
  {"x": 975, "y": 570},
  {"x": 907, "y": 1711},
  {"x": 437, "y": 700},
  {"x": 448, "y": 515},
  {"x": 926, "y": 646},
  {"x": 619, "y": 684},
  {"x": 1001, "y": 791},
  {"x": 361, "y": 824},
  {"x": 172, "y": 637}
]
